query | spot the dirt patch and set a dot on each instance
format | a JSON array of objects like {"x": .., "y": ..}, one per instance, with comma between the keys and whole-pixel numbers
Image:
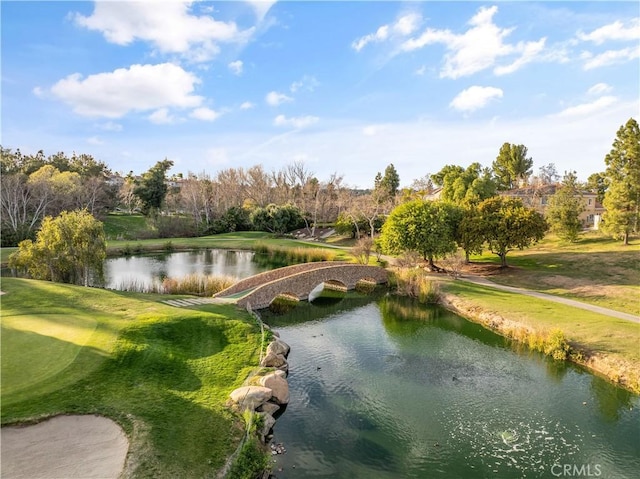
[
  {"x": 65, "y": 446},
  {"x": 483, "y": 269}
]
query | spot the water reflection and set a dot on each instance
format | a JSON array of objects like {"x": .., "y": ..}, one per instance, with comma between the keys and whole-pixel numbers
[
  {"x": 143, "y": 270},
  {"x": 382, "y": 387}
]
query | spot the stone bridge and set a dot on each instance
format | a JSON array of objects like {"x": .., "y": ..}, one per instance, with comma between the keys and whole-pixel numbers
[{"x": 299, "y": 280}]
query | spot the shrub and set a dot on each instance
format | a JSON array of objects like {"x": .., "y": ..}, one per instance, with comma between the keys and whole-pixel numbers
[
  {"x": 196, "y": 284},
  {"x": 415, "y": 284}
]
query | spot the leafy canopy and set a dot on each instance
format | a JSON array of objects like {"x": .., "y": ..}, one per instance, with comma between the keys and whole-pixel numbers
[
  {"x": 507, "y": 225},
  {"x": 69, "y": 248},
  {"x": 425, "y": 227},
  {"x": 622, "y": 177}
]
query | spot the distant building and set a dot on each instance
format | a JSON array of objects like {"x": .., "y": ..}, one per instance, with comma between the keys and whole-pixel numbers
[{"x": 537, "y": 197}]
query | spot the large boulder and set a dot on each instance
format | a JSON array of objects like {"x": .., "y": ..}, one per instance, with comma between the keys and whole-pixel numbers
[
  {"x": 269, "y": 408},
  {"x": 267, "y": 424},
  {"x": 278, "y": 347},
  {"x": 250, "y": 397},
  {"x": 273, "y": 360},
  {"x": 278, "y": 385}
]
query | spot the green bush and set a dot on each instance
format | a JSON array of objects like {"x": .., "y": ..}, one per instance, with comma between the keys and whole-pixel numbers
[{"x": 251, "y": 462}]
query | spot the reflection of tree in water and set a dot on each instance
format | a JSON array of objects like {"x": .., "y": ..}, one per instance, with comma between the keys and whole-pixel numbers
[
  {"x": 611, "y": 399},
  {"x": 556, "y": 370},
  {"x": 403, "y": 315}
]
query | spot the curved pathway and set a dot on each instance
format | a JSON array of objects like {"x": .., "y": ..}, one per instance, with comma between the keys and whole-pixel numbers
[{"x": 549, "y": 297}]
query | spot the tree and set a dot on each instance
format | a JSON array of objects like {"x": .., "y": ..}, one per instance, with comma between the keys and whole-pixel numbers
[
  {"x": 507, "y": 225},
  {"x": 597, "y": 183},
  {"x": 152, "y": 187},
  {"x": 512, "y": 166},
  {"x": 460, "y": 185},
  {"x": 277, "y": 219},
  {"x": 622, "y": 198},
  {"x": 470, "y": 233},
  {"x": 426, "y": 227},
  {"x": 69, "y": 248},
  {"x": 564, "y": 209},
  {"x": 387, "y": 185},
  {"x": 548, "y": 174}
]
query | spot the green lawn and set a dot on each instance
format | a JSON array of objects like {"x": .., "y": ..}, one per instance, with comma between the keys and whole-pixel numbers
[
  {"x": 595, "y": 270},
  {"x": 618, "y": 339},
  {"x": 238, "y": 240},
  {"x": 124, "y": 226},
  {"x": 163, "y": 373}
]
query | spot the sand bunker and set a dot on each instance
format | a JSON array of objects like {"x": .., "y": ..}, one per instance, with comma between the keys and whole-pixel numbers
[{"x": 64, "y": 447}]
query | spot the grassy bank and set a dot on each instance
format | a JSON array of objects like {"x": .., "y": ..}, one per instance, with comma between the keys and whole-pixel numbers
[
  {"x": 162, "y": 373},
  {"x": 607, "y": 345},
  {"x": 596, "y": 270}
]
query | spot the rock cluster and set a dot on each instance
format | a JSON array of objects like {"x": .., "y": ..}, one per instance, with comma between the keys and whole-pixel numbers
[{"x": 271, "y": 391}]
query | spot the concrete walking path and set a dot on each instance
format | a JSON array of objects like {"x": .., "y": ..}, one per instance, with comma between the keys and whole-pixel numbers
[{"x": 549, "y": 297}]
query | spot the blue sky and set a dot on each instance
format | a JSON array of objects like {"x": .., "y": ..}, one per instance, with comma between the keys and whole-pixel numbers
[{"x": 345, "y": 87}]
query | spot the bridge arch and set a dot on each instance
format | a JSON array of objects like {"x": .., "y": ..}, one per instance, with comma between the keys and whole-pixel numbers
[{"x": 301, "y": 281}]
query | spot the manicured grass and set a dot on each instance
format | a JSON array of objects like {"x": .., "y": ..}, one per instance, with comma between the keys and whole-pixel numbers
[
  {"x": 124, "y": 226},
  {"x": 595, "y": 270},
  {"x": 595, "y": 332},
  {"x": 238, "y": 240},
  {"x": 163, "y": 373}
]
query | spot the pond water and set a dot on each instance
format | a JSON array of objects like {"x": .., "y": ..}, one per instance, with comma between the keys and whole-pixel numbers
[
  {"x": 386, "y": 388},
  {"x": 144, "y": 270}
]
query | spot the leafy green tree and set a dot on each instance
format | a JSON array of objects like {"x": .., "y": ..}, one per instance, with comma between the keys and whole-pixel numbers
[
  {"x": 277, "y": 219},
  {"x": 69, "y": 248},
  {"x": 507, "y": 225},
  {"x": 386, "y": 187},
  {"x": 512, "y": 166},
  {"x": 152, "y": 187},
  {"x": 470, "y": 231},
  {"x": 425, "y": 227},
  {"x": 597, "y": 183},
  {"x": 564, "y": 209},
  {"x": 622, "y": 198},
  {"x": 460, "y": 185}
]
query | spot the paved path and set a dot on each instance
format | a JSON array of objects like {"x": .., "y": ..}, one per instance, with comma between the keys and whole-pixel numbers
[{"x": 549, "y": 297}]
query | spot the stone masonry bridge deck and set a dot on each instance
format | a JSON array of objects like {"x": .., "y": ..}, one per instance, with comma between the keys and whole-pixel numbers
[{"x": 299, "y": 280}]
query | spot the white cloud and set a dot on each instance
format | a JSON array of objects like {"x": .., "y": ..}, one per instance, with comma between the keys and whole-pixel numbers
[
  {"x": 137, "y": 88},
  {"x": 371, "y": 130},
  {"x": 587, "y": 109},
  {"x": 478, "y": 48},
  {"x": 261, "y": 7},
  {"x": 307, "y": 82},
  {"x": 37, "y": 91},
  {"x": 168, "y": 26},
  {"x": 421, "y": 71},
  {"x": 161, "y": 117},
  {"x": 599, "y": 88},
  {"x": 613, "y": 31},
  {"x": 111, "y": 126},
  {"x": 236, "y": 67},
  {"x": 403, "y": 26},
  {"x": 275, "y": 98},
  {"x": 610, "y": 57},
  {"x": 247, "y": 105},
  {"x": 204, "y": 114},
  {"x": 94, "y": 140},
  {"x": 530, "y": 51},
  {"x": 295, "y": 122},
  {"x": 475, "y": 97}
]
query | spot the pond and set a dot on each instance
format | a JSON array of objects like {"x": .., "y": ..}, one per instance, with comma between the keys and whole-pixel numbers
[
  {"x": 382, "y": 387},
  {"x": 143, "y": 270}
]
